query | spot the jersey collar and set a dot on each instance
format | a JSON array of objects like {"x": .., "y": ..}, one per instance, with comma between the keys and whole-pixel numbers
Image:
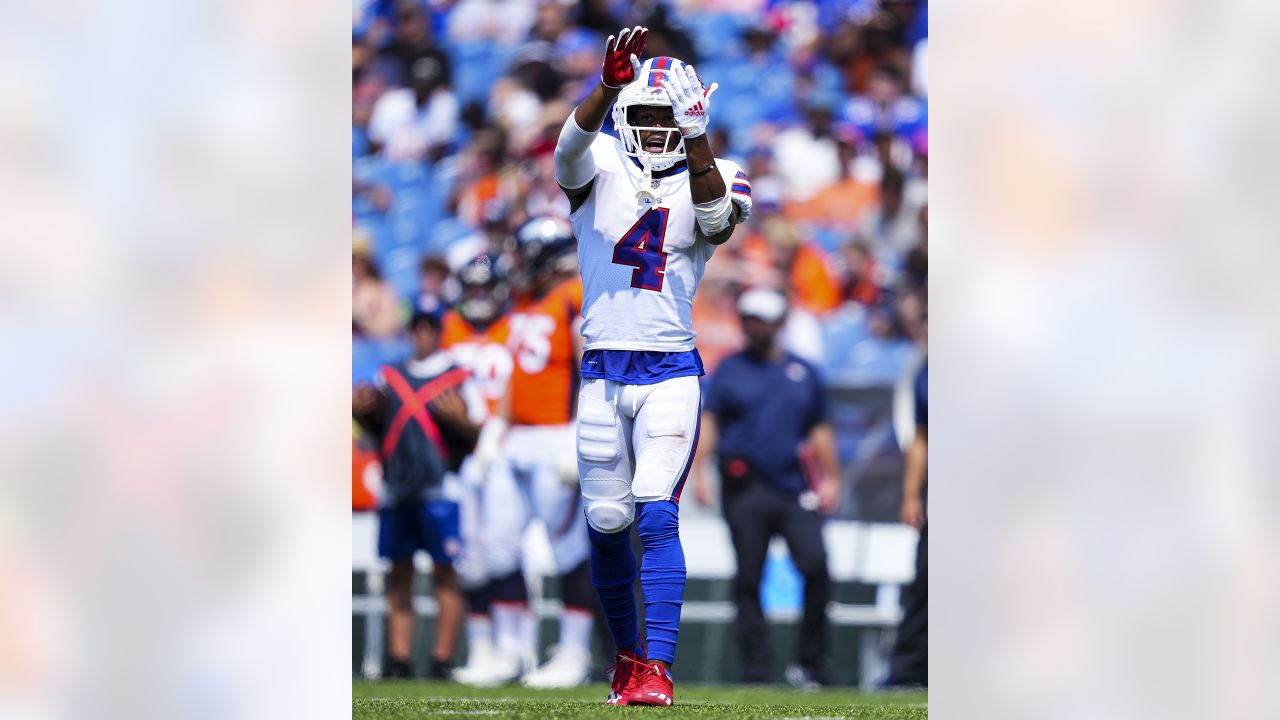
[{"x": 659, "y": 174}]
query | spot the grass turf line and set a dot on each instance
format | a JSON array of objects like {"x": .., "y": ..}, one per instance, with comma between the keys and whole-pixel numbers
[{"x": 424, "y": 699}]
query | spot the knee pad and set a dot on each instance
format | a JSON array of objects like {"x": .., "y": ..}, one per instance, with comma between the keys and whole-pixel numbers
[
  {"x": 608, "y": 503},
  {"x": 599, "y": 438}
]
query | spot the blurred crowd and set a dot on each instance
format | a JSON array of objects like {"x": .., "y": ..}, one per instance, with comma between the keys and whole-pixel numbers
[{"x": 456, "y": 107}]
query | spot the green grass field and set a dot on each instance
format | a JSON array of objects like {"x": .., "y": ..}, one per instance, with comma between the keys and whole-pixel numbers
[{"x": 421, "y": 699}]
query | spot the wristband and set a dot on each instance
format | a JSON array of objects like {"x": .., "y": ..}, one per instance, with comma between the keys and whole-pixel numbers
[{"x": 703, "y": 171}]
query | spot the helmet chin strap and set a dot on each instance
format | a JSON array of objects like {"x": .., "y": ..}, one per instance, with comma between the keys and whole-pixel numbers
[{"x": 646, "y": 197}]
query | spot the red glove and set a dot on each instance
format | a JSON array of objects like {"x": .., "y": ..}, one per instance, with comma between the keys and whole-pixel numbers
[{"x": 620, "y": 57}]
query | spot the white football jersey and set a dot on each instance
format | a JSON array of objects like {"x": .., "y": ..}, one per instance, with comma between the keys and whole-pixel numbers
[{"x": 641, "y": 260}]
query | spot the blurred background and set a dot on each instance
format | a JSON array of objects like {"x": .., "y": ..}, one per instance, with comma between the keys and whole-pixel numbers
[{"x": 456, "y": 107}]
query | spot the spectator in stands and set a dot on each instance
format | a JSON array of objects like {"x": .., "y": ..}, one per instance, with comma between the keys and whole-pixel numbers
[
  {"x": 861, "y": 284},
  {"x": 916, "y": 268},
  {"x": 506, "y": 22},
  {"x": 375, "y": 309},
  {"x": 412, "y": 47},
  {"x": 419, "y": 121},
  {"x": 886, "y": 108},
  {"x": 909, "y": 666},
  {"x": 435, "y": 294},
  {"x": 806, "y": 154},
  {"x": 765, "y": 420},
  {"x": 485, "y": 184},
  {"x": 809, "y": 275},
  {"x": 715, "y": 314},
  {"x": 893, "y": 226},
  {"x": 426, "y": 416},
  {"x": 845, "y": 201}
]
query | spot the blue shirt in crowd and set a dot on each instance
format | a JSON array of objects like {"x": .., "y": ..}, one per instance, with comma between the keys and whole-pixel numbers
[{"x": 765, "y": 410}]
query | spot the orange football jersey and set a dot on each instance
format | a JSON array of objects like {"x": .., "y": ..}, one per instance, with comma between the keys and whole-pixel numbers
[
  {"x": 544, "y": 382},
  {"x": 483, "y": 353}
]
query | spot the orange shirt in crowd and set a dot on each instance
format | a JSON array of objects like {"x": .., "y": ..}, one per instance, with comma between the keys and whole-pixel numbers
[
  {"x": 810, "y": 281},
  {"x": 482, "y": 352},
  {"x": 715, "y": 317},
  {"x": 813, "y": 285},
  {"x": 541, "y": 340},
  {"x": 843, "y": 203}
]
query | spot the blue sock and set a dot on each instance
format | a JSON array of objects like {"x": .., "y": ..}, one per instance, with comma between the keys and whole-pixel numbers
[
  {"x": 613, "y": 573},
  {"x": 662, "y": 577}
]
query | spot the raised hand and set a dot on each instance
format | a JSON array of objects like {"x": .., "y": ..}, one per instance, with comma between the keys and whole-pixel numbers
[
  {"x": 690, "y": 102},
  {"x": 621, "y": 57}
]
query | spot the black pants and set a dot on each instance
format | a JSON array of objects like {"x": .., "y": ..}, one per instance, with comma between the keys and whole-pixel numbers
[
  {"x": 755, "y": 513},
  {"x": 910, "y": 662}
]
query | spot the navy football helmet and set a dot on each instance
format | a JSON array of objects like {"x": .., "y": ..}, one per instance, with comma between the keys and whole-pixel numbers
[{"x": 544, "y": 246}]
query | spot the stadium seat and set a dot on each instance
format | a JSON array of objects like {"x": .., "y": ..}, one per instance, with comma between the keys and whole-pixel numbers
[
  {"x": 400, "y": 268},
  {"x": 366, "y": 358},
  {"x": 359, "y": 143},
  {"x": 477, "y": 65},
  {"x": 719, "y": 34},
  {"x": 445, "y": 233}
]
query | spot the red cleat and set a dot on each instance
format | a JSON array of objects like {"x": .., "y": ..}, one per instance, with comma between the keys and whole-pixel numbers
[
  {"x": 624, "y": 677},
  {"x": 653, "y": 685}
]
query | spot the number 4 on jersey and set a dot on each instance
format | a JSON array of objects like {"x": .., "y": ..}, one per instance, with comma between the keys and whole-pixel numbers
[{"x": 641, "y": 248}]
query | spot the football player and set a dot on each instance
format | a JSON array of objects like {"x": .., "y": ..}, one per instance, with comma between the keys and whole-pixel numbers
[
  {"x": 528, "y": 447},
  {"x": 474, "y": 334},
  {"x": 648, "y": 208}
]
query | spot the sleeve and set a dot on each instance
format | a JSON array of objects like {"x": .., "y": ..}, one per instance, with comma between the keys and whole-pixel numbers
[
  {"x": 739, "y": 187},
  {"x": 574, "y": 158}
]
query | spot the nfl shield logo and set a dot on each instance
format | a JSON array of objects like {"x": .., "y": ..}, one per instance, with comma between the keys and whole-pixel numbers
[{"x": 655, "y": 183}]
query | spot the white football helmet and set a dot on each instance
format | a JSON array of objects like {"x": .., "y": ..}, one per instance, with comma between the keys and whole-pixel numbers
[{"x": 646, "y": 89}]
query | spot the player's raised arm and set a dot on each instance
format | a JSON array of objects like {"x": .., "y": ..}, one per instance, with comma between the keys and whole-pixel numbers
[
  {"x": 575, "y": 168},
  {"x": 716, "y": 212}
]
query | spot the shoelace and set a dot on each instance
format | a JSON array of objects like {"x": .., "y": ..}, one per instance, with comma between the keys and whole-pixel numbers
[
  {"x": 612, "y": 670},
  {"x": 649, "y": 669}
]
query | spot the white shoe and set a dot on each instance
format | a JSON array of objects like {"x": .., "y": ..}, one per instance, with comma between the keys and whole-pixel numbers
[
  {"x": 479, "y": 660},
  {"x": 499, "y": 668},
  {"x": 568, "y": 667}
]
